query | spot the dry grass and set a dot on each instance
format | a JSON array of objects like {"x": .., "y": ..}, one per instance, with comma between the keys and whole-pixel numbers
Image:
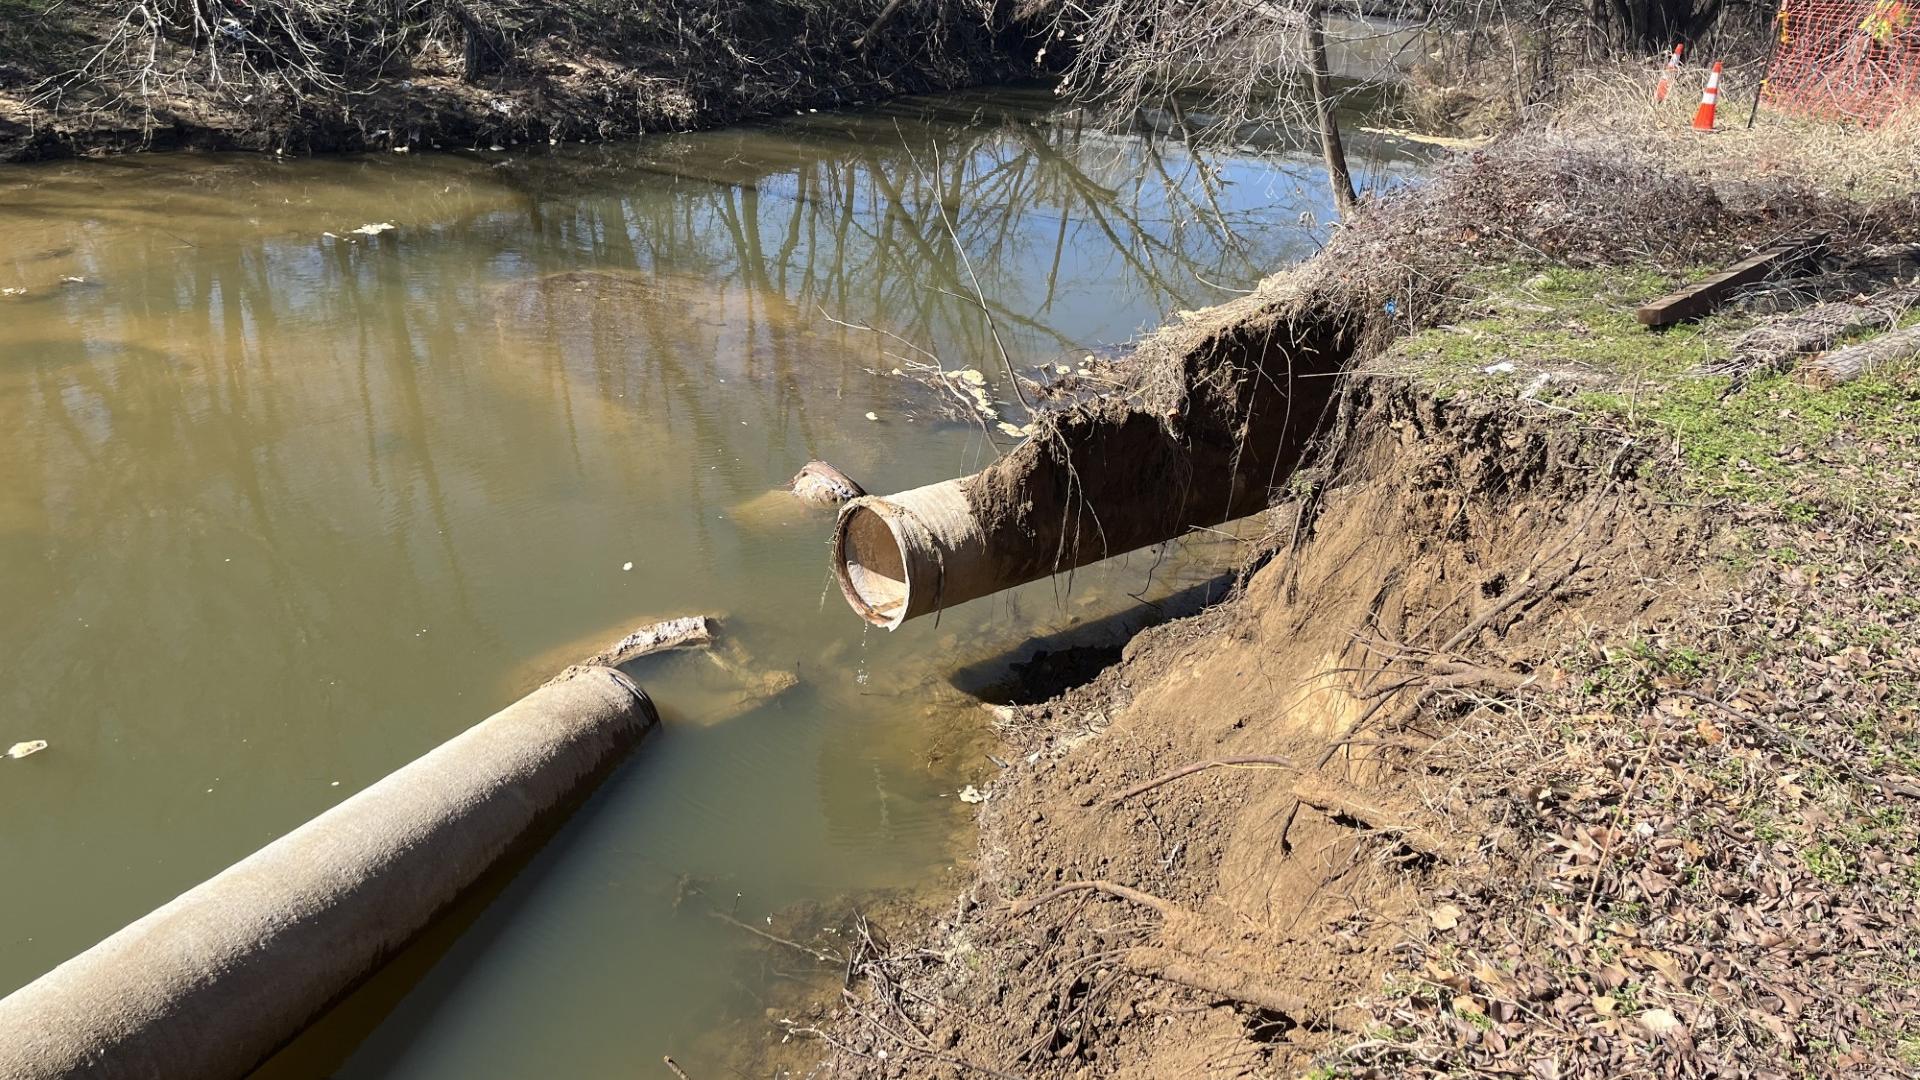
[{"x": 1829, "y": 157}]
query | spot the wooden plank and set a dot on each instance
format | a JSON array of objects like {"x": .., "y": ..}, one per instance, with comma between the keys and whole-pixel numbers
[{"x": 1703, "y": 296}]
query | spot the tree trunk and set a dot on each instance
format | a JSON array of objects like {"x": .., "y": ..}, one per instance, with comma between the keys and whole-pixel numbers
[
  {"x": 865, "y": 41},
  {"x": 1331, "y": 148},
  {"x": 1848, "y": 364}
]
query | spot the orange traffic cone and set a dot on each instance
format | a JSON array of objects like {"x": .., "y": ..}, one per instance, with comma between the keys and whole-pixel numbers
[
  {"x": 1666, "y": 77},
  {"x": 1703, "y": 116}
]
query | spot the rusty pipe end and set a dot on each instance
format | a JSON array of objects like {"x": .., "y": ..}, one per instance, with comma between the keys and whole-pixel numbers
[{"x": 870, "y": 561}]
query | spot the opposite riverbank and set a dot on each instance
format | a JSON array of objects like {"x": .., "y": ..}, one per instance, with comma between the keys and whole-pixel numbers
[{"x": 318, "y": 76}]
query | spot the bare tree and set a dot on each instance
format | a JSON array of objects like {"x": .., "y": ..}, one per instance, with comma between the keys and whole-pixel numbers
[{"x": 1239, "y": 64}]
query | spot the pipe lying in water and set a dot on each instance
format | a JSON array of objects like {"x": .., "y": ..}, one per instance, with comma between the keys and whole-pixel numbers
[
  {"x": 211, "y": 984},
  {"x": 1108, "y": 478}
]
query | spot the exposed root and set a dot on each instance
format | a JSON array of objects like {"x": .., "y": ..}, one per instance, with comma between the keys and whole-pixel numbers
[
  {"x": 1165, "y": 908},
  {"x": 1266, "y": 760},
  {"x": 1210, "y": 976}
]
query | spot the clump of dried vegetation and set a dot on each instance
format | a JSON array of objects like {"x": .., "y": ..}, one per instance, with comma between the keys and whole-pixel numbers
[{"x": 1850, "y": 160}]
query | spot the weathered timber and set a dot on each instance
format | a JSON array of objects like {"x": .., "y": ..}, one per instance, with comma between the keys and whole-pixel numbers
[{"x": 1702, "y": 297}]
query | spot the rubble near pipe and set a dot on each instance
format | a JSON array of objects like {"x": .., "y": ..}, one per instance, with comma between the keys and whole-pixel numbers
[
  {"x": 211, "y": 984},
  {"x": 1099, "y": 480}
]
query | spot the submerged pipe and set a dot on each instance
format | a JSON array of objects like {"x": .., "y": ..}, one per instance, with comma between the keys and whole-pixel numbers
[
  {"x": 214, "y": 982},
  {"x": 1105, "y": 479}
]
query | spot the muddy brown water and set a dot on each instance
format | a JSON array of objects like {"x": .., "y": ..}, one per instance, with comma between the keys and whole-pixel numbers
[{"x": 284, "y": 505}]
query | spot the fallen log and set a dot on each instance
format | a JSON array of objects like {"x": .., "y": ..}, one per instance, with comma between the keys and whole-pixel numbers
[
  {"x": 1774, "y": 346},
  {"x": 1845, "y": 365}
]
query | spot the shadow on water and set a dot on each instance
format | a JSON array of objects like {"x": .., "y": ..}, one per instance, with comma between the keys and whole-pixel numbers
[{"x": 1043, "y": 667}]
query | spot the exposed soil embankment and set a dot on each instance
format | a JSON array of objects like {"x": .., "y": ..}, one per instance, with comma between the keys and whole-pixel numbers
[
  {"x": 1204, "y": 858},
  {"x": 1530, "y": 745},
  {"x": 338, "y": 75}
]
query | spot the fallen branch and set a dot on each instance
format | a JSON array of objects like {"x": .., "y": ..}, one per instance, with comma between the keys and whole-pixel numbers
[
  {"x": 1806, "y": 749},
  {"x": 693, "y": 631},
  {"x": 817, "y": 954},
  {"x": 1773, "y": 346}
]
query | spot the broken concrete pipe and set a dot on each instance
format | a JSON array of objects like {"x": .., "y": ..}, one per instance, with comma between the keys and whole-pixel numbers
[
  {"x": 1106, "y": 479},
  {"x": 211, "y": 984}
]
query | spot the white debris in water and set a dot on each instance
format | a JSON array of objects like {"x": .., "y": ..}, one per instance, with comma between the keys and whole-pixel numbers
[
  {"x": 873, "y": 416},
  {"x": 1504, "y": 367},
  {"x": 373, "y": 228},
  {"x": 1020, "y": 431},
  {"x": 971, "y": 794},
  {"x": 23, "y": 749},
  {"x": 626, "y": 566},
  {"x": 1062, "y": 369},
  {"x": 13, "y": 292}
]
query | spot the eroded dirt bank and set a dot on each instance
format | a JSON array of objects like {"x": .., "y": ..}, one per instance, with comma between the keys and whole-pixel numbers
[
  {"x": 303, "y": 76},
  {"x": 1233, "y": 813},
  {"x": 1564, "y": 724}
]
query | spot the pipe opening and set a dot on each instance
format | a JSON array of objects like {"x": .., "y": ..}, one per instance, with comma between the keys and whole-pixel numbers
[{"x": 871, "y": 563}]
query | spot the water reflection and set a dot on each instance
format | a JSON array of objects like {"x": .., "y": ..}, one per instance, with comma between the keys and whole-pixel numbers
[{"x": 287, "y": 503}]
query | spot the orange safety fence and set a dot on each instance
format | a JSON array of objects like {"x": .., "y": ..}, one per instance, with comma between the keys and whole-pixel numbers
[{"x": 1845, "y": 59}]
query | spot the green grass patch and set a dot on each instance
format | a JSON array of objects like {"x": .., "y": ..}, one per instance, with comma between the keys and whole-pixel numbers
[{"x": 1776, "y": 442}]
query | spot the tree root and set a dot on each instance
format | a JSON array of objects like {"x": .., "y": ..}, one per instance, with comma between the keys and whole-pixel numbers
[
  {"x": 1227, "y": 981},
  {"x": 1333, "y": 796},
  {"x": 1199, "y": 766},
  {"x": 1166, "y": 908},
  {"x": 1200, "y": 973}
]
